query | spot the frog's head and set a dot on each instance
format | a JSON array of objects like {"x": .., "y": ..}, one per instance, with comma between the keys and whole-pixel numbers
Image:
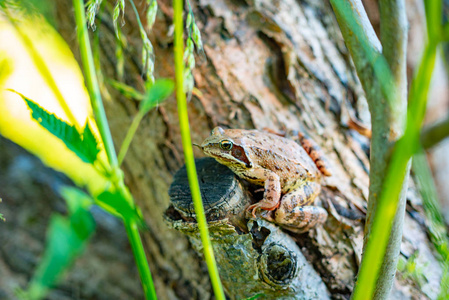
[{"x": 226, "y": 148}]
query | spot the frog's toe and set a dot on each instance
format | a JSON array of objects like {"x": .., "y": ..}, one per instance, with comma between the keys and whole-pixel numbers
[{"x": 253, "y": 208}]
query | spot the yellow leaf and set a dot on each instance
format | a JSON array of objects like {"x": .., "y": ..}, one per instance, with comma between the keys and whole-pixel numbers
[{"x": 18, "y": 72}]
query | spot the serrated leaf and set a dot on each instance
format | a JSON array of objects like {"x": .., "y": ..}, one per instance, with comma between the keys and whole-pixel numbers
[
  {"x": 158, "y": 92},
  {"x": 90, "y": 144},
  {"x": 84, "y": 146}
]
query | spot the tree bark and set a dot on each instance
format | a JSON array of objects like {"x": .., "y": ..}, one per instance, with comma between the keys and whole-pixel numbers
[{"x": 280, "y": 65}]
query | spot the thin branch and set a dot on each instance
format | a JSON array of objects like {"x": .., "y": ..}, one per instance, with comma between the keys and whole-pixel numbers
[
  {"x": 435, "y": 133},
  {"x": 92, "y": 84},
  {"x": 393, "y": 28},
  {"x": 366, "y": 52},
  {"x": 394, "y": 33},
  {"x": 387, "y": 115}
]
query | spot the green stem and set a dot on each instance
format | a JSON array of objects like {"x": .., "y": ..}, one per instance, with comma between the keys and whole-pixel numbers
[
  {"x": 435, "y": 133},
  {"x": 92, "y": 83},
  {"x": 188, "y": 152},
  {"x": 393, "y": 28},
  {"x": 100, "y": 115},
  {"x": 366, "y": 50},
  {"x": 141, "y": 260},
  {"x": 137, "y": 16},
  {"x": 129, "y": 136},
  {"x": 388, "y": 201}
]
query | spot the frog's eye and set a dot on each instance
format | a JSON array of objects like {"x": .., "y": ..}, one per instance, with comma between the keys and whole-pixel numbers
[{"x": 226, "y": 145}]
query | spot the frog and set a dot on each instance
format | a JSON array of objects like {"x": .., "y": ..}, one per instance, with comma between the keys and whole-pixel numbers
[{"x": 290, "y": 173}]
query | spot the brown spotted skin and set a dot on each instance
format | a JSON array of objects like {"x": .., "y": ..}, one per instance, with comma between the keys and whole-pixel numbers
[{"x": 280, "y": 165}]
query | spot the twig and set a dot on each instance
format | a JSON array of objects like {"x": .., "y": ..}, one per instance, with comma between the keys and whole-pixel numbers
[
  {"x": 435, "y": 133},
  {"x": 393, "y": 28},
  {"x": 375, "y": 74},
  {"x": 92, "y": 84}
]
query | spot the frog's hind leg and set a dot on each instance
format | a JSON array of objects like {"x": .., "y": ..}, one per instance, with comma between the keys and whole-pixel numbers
[
  {"x": 304, "y": 218},
  {"x": 296, "y": 211}
]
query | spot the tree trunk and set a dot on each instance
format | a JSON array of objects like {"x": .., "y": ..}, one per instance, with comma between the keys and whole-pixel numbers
[{"x": 280, "y": 65}]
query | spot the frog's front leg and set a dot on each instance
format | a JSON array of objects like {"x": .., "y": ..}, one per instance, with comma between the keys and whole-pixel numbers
[
  {"x": 272, "y": 190},
  {"x": 296, "y": 211}
]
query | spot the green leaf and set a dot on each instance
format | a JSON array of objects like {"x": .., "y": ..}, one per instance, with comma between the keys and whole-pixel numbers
[
  {"x": 76, "y": 199},
  {"x": 158, "y": 92},
  {"x": 64, "y": 244},
  {"x": 117, "y": 205},
  {"x": 66, "y": 239},
  {"x": 90, "y": 144},
  {"x": 85, "y": 146}
]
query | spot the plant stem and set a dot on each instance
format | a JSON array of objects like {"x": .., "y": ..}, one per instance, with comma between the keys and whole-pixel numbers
[
  {"x": 397, "y": 169},
  {"x": 129, "y": 136},
  {"x": 394, "y": 28},
  {"x": 137, "y": 16},
  {"x": 379, "y": 73},
  {"x": 435, "y": 133},
  {"x": 141, "y": 260},
  {"x": 92, "y": 83},
  {"x": 100, "y": 115},
  {"x": 188, "y": 152}
]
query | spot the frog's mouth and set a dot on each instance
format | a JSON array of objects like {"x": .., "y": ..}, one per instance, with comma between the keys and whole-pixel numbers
[
  {"x": 224, "y": 159},
  {"x": 238, "y": 155},
  {"x": 231, "y": 161}
]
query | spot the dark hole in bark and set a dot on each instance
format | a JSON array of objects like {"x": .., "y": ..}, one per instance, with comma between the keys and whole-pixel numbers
[{"x": 259, "y": 236}]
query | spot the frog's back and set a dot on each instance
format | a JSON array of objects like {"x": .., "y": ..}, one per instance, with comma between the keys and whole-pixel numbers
[{"x": 272, "y": 151}]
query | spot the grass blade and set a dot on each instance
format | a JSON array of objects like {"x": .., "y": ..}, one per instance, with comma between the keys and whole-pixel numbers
[{"x": 188, "y": 153}]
